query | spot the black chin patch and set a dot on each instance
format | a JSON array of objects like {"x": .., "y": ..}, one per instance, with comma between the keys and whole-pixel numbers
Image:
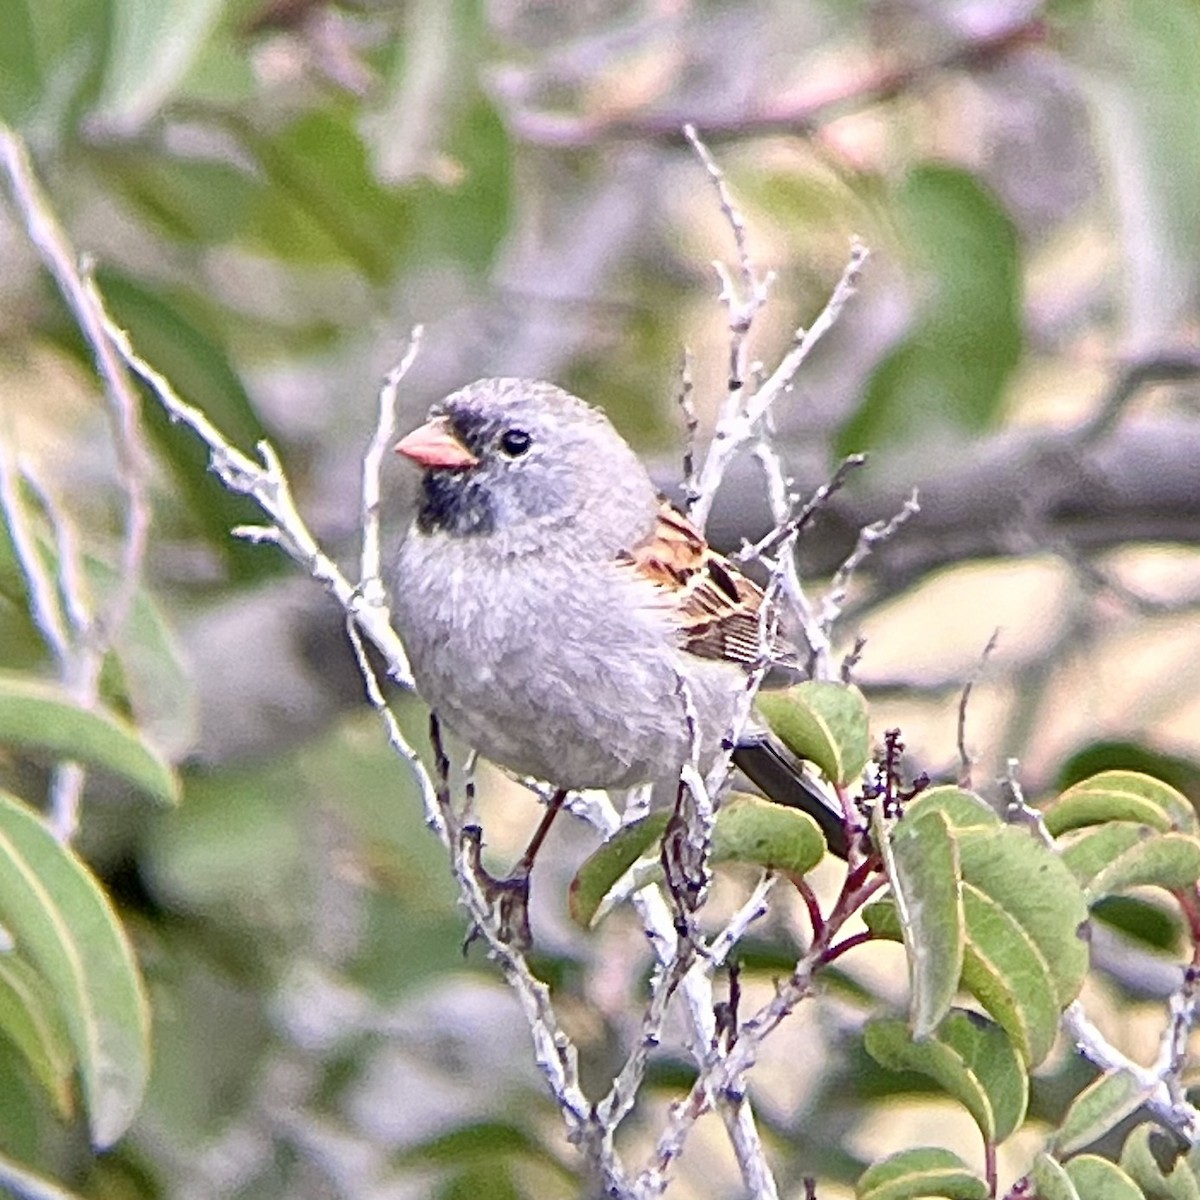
[{"x": 453, "y": 502}]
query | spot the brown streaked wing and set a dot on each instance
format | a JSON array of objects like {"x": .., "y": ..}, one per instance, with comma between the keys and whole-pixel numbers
[{"x": 718, "y": 605}]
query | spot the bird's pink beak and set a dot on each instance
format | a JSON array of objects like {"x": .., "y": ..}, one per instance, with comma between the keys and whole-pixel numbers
[{"x": 434, "y": 445}]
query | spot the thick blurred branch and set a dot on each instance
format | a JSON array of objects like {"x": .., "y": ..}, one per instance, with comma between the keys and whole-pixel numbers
[{"x": 795, "y": 117}]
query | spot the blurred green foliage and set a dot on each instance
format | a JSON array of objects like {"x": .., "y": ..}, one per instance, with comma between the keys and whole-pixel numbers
[{"x": 273, "y": 193}]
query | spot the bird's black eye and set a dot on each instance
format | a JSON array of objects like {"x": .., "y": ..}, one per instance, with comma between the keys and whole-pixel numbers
[{"x": 514, "y": 442}]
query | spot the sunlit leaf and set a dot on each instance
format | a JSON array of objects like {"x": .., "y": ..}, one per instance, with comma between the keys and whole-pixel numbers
[
  {"x": 59, "y": 917},
  {"x": 1120, "y": 855},
  {"x": 963, "y": 809},
  {"x": 748, "y": 829},
  {"x": 1032, "y": 884},
  {"x": 1004, "y": 970}
]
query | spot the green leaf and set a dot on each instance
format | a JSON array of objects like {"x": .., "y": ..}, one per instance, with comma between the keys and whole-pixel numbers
[
  {"x": 30, "y": 1019},
  {"x": 748, "y": 829},
  {"x": 1051, "y": 1180},
  {"x": 61, "y": 920},
  {"x": 1005, "y": 972},
  {"x": 1033, "y": 885},
  {"x": 1139, "y": 918},
  {"x": 605, "y": 865},
  {"x": 970, "y": 1057},
  {"x": 963, "y": 809},
  {"x": 1120, "y": 855},
  {"x": 1097, "y": 1179},
  {"x": 40, "y": 717},
  {"x": 918, "y": 1173},
  {"x": 1156, "y": 1162},
  {"x": 952, "y": 367},
  {"x": 1137, "y": 66},
  {"x": 189, "y": 199},
  {"x": 489, "y": 1140},
  {"x": 324, "y": 204},
  {"x": 199, "y": 369},
  {"x": 1121, "y": 796},
  {"x": 922, "y": 864},
  {"x": 823, "y": 722},
  {"x": 153, "y": 43},
  {"x": 20, "y": 75},
  {"x": 22, "y": 1182},
  {"x": 1023, "y": 958},
  {"x": 1100, "y": 1107}
]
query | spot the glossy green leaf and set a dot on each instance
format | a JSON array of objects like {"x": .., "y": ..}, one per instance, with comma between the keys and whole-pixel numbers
[
  {"x": 921, "y": 858},
  {"x": 1100, "y": 1107},
  {"x": 1097, "y": 1179},
  {"x": 1159, "y": 1165},
  {"x": 967, "y": 1055},
  {"x": 1121, "y": 796},
  {"x": 1051, "y": 1180},
  {"x": 918, "y": 1173},
  {"x": 965, "y": 340},
  {"x": 153, "y": 43},
  {"x": 823, "y": 722},
  {"x": 40, "y": 717},
  {"x": 62, "y": 921},
  {"x": 1119, "y": 856},
  {"x": 963, "y": 809},
  {"x": 748, "y": 829},
  {"x": 30, "y": 1020}
]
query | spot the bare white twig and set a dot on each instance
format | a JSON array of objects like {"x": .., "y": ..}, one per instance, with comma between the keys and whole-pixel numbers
[
  {"x": 738, "y": 423},
  {"x": 869, "y": 537},
  {"x": 1159, "y": 1096},
  {"x": 370, "y": 570},
  {"x": 267, "y": 485}
]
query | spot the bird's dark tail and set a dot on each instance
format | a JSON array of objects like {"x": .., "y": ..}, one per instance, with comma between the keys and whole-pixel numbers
[{"x": 780, "y": 777}]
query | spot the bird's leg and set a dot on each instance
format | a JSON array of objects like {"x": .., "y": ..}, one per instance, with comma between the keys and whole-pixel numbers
[{"x": 525, "y": 863}]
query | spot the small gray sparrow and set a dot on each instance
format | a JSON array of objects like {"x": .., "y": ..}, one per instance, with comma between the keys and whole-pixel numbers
[{"x": 560, "y": 616}]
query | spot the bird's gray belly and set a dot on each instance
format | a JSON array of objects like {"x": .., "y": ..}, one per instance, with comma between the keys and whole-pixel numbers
[{"x": 562, "y": 691}]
